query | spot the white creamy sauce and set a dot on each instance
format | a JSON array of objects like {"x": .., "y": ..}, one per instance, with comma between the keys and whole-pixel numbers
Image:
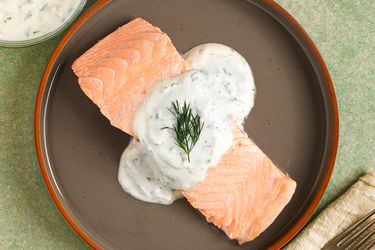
[
  {"x": 141, "y": 179},
  {"x": 27, "y": 19},
  {"x": 220, "y": 89}
]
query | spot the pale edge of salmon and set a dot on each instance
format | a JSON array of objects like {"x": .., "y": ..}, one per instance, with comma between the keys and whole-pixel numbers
[
  {"x": 116, "y": 74},
  {"x": 244, "y": 193}
]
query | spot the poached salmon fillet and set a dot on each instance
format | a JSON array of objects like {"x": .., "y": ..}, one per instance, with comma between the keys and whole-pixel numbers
[
  {"x": 245, "y": 192},
  {"x": 117, "y": 72}
]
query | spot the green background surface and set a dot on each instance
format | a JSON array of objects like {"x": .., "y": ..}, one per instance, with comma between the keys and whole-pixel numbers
[{"x": 343, "y": 30}]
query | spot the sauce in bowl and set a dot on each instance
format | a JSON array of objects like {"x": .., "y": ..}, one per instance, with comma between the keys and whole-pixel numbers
[{"x": 22, "y": 20}]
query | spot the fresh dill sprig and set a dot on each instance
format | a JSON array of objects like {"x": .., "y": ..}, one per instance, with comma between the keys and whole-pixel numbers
[{"x": 187, "y": 128}]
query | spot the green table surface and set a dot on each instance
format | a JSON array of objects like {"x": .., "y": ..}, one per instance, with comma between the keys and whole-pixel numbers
[{"x": 344, "y": 31}]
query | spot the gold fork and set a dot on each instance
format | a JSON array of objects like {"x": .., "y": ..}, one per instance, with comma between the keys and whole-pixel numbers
[{"x": 359, "y": 230}]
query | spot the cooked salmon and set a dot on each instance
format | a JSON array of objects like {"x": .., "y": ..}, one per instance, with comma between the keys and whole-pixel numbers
[
  {"x": 117, "y": 72},
  {"x": 244, "y": 193}
]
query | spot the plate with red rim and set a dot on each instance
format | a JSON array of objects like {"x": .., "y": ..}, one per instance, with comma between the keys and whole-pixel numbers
[{"x": 294, "y": 121}]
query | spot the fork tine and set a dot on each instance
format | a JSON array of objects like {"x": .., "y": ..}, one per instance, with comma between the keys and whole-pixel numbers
[
  {"x": 337, "y": 242},
  {"x": 349, "y": 232},
  {"x": 362, "y": 241},
  {"x": 355, "y": 234},
  {"x": 369, "y": 245}
]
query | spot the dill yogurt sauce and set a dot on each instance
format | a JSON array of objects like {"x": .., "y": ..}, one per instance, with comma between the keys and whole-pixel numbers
[
  {"x": 27, "y": 19},
  {"x": 220, "y": 91}
]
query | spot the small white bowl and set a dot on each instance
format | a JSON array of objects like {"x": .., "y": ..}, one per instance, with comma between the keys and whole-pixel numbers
[{"x": 44, "y": 37}]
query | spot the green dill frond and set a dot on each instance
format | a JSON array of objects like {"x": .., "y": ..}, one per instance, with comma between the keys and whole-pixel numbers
[{"x": 187, "y": 128}]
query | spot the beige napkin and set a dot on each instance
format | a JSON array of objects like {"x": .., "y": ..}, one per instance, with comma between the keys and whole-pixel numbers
[{"x": 356, "y": 202}]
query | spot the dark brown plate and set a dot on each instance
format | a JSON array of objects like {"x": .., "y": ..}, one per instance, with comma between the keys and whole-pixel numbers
[{"x": 294, "y": 120}]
